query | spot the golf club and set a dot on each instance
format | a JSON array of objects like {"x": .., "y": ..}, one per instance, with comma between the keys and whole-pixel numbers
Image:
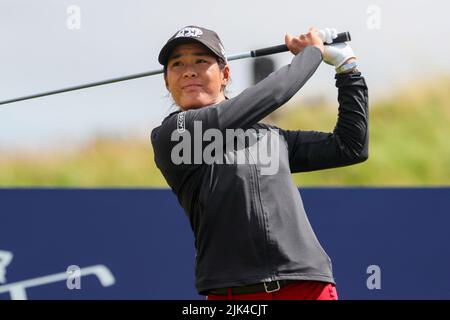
[{"x": 341, "y": 37}]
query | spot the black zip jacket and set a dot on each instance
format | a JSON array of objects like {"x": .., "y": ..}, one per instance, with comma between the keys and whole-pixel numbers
[{"x": 249, "y": 226}]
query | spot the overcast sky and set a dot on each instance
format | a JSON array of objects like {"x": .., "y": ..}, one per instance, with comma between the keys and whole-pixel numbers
[{"x": 41, "y": 49}]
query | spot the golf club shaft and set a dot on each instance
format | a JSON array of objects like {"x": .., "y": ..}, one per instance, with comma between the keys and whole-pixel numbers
[{"x": 341, "y": 37}]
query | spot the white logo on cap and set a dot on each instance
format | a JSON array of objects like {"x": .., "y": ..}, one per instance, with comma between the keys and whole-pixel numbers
[{"x": 189, "y": 32}]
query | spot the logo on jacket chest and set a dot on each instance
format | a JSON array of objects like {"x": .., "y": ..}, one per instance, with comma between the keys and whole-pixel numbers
[{"x": 256, "y": 147}]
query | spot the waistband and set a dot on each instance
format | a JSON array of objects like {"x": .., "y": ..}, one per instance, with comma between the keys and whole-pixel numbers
[{"x": 268, "y": 287}]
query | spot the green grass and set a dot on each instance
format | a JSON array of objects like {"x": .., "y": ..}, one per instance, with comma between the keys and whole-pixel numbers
[
  {"x": 103, "y": 162},
  {"x": 409, "y": 145}
]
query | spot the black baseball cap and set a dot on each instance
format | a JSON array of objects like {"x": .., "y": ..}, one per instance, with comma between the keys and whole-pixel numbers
[{"x": 185, "y": 35}]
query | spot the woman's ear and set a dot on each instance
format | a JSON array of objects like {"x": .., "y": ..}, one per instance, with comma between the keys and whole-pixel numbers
[{"x": 225, "y": 75}]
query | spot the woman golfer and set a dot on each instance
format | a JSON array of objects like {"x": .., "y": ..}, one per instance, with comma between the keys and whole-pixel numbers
[{"x": 232, "y": 174}]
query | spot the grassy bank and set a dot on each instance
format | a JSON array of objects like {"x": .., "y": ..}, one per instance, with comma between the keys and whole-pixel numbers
[{"x": 409, "y": 145}]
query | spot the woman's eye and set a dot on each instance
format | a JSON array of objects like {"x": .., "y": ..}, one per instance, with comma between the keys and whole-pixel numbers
[
  {"x": 201, "y": 60},
  {"x": 176, "y": 64}
]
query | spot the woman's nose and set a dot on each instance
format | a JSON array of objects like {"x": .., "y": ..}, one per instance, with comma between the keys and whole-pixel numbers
[
  {"x": 189, "y": 74},
  {"x": 189, "y": 71}
]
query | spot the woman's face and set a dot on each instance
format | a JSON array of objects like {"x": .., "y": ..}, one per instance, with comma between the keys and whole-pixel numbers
[{"x": 194, "y": 77}]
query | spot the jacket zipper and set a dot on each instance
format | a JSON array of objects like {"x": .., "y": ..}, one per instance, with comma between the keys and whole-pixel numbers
[{"x": 257, "y": 194}]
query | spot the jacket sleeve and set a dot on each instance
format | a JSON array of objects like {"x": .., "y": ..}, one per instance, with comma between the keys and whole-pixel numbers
[{"x": 347, "y": 144}]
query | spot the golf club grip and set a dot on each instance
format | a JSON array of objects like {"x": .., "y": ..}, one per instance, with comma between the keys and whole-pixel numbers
[{"x": 341, "y": 37}]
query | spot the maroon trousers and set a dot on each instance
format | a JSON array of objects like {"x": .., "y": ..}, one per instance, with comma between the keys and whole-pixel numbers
[{"x": 303, "y": 290}]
